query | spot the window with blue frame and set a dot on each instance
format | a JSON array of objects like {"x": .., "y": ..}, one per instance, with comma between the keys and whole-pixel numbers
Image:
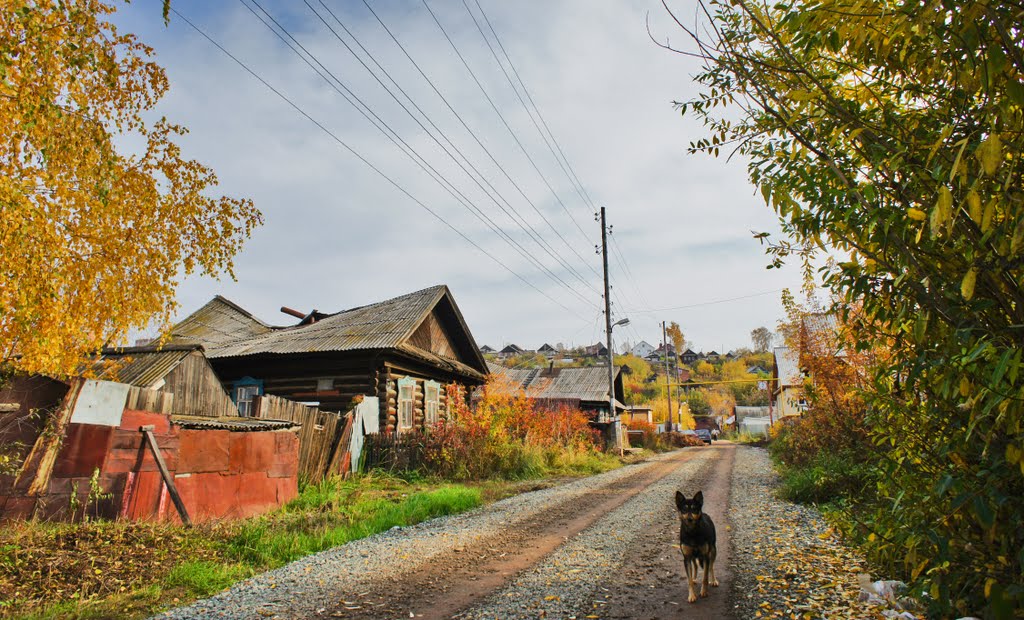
[{"x": 244, "y": 392}]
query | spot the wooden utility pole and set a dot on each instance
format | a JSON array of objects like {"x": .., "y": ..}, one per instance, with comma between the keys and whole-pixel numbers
[
  {"x": 668, "y": 388},
  {"x": 613, "y": 418}
]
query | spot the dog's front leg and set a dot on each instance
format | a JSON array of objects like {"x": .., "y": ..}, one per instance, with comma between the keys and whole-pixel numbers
[
  {"x": 691, "y": 577},
  {"x": 711, "y": 566},
  {"x": 704, "y": 581}
]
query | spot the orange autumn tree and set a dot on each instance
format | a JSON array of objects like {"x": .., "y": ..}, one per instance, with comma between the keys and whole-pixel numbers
[{"x": 93, "y": 239}]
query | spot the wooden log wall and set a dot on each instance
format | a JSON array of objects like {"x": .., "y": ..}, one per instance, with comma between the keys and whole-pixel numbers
[
  {"x": 344, "y": 387},
  {"x": 388, "y": 393}
]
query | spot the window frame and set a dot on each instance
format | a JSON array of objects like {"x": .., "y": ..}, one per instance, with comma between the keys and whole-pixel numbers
[
  {"x": 406, "y": 404},
  {"x": 244, "y": 392},
  {"x": 431, "y": 406}
]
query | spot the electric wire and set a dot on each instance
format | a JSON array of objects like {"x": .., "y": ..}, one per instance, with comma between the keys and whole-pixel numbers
[
  {"x": 513, "y": 214},
  {"x": 369, "y": 164},
  {"x": 468, "y": 129},
  {"x": 400, "y": 143},
  {"x": 569, "y": 173},
  {"x": 508, "y": 127},
  {"x": 708, "y": 303}
]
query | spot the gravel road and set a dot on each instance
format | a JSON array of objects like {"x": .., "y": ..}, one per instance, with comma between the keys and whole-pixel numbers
[{"x": 598, "y": 547}]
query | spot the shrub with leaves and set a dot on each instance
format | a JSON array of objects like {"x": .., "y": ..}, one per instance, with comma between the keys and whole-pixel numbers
[{"x": 892, "y": 133}]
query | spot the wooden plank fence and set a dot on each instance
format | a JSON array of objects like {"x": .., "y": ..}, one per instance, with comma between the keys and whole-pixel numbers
[
  {"x": 324, "y": 436},
  {"x": 394, "y": 452}
]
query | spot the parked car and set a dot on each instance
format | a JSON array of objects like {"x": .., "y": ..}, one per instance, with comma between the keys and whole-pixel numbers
[{"x": 705, "y": 435}]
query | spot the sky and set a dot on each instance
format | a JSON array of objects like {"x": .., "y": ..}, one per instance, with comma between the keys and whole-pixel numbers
[{"x": 514, "y": 158}]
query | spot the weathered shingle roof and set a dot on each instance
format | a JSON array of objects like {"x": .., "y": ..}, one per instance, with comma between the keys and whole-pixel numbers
[{"x": 140, "y": 366}]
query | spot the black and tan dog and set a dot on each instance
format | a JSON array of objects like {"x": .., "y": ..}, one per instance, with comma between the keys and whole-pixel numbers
[{"x": 697, "y": 542}]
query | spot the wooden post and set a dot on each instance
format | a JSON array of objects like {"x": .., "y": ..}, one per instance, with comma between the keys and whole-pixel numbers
[
  {"x": 668, "y": 388},
  {"x": 147, "y": 432}
]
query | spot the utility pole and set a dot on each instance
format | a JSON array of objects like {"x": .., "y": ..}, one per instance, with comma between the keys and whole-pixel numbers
[
  {"x": 613, "y": 418},
  {"x": 668, "y": 387}
]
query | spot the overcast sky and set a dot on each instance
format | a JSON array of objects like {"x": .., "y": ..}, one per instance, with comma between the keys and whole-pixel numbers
[{"x": 339, "y": 234}]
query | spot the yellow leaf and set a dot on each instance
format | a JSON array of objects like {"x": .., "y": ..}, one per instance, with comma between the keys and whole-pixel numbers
[
  {"x": 990, "y": 154},
  {"x": 942, "y": 212},
  {"x": 916, "y": 214},
  {"x": 986, "y": 218},
  {"x": 967, "y": 285},
  {"x": 974, "y": 206},
  {"x": 988, "y": 586}
]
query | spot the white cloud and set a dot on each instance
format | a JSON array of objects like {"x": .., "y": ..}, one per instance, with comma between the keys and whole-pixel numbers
[{"x": 338, "y": 235}]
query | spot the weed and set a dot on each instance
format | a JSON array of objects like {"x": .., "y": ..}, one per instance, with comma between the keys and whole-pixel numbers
[{"x": 202, "y": 578}]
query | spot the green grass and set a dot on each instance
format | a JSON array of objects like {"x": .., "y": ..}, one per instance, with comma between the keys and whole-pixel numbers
[
  {"x": 202, "y": 578},
  {"x": 828, "y": 478},
  {"x": 327, "y": 515}
]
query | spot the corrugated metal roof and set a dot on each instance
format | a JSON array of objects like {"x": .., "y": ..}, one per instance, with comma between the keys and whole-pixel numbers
[
  {"x": 585, "y": 384},
  {"x": 243, "y": 425},
  {"x": 788, "y": 363},
  {"x": 141, "y": 367},
  {"x": 218, "y": 322},
  {"x": 376, "y": 326}
]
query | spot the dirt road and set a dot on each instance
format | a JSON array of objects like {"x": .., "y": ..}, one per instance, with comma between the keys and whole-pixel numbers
[{"x": 599, "y": 547}]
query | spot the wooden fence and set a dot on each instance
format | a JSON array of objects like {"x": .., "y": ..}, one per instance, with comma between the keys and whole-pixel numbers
[
  {"x": 393, "y": 451},
  {"x": 324, "y": 436}
]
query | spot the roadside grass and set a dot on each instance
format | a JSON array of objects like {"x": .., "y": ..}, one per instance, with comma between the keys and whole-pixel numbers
[
  {"x": 133, "y": 570},
  {"x": 827, "y": 479}
]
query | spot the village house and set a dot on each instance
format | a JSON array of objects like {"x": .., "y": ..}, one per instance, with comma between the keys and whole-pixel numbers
[
  {"x": 486, "y": 349},
  {"x": 584, "y": 388},
  {"x": 642, "y": 349},
  {"x": 547, "y": 350},
  {"x": 688, "y": 357},
  {"x": 596, "y": 350},
  {"x": 404, "y": 351},
  {"x": 510, "y": 351},
  {"x": 787, "y": 392}
]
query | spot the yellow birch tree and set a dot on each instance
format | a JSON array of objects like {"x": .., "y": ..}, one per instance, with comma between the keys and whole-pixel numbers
[{"x": 93, "y": 241}]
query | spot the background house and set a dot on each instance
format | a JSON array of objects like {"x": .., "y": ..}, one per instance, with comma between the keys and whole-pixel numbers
[
  {"x": 585, "y": 388},
  {"x": 787, "y": 393},
  {"x": 510, "y": 351},
  {"x": 403, "y": 350},
  {"x": 642, "y": 349}
]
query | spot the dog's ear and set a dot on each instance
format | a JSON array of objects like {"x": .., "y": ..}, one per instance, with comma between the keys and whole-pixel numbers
[
  {"x": 699, "y": 498},
  {"x": 680, "y": 500}
]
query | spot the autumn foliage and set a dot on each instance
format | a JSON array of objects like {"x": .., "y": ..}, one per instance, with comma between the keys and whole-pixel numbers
[
  {"x": 94, "y": 238},
  {"x": 506, "y": 434}
]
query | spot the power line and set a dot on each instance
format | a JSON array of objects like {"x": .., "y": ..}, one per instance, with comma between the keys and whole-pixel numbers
[
  {"x": 472, "y": 133},
  {"x": 370, "y": 165},
  {"x": 382, "y": 126},
  {"x": 520, "y": 222},
  {"x": 707, "y": 303},
  {"x": 570, "y": 173},
  {"x": 508, "y": 127}
]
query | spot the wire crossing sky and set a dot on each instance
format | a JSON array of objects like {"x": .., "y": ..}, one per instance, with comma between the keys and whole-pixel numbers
[{"x": 477, "y": 139}]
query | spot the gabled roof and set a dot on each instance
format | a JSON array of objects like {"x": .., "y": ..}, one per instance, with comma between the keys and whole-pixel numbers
[
  {"x": 689, "y": 352},
  {"x": 140, "y": 366},
  {"x": 384, "y": 325},
  {"x": 787, "y": 367},
  {"x": 486, "y": 349},
  {"x": 218, "y": 322},
  {"x": 512, "y": 349},
  {"x": 546, "y": 347},
  {"x": 586, "y": 384}
]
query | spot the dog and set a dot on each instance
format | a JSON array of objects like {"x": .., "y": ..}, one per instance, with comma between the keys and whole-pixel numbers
[{"x": 697, "y": 542}]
